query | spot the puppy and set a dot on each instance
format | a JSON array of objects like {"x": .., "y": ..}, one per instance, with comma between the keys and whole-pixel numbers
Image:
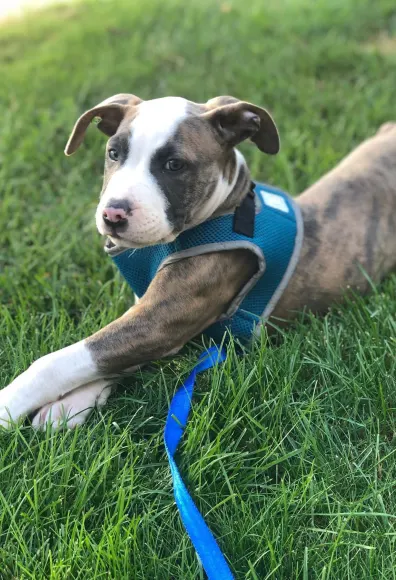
[{"x": 171, "y": 167}]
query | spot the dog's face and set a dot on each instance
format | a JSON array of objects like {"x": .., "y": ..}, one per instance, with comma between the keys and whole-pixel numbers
[{"x": 170, "y": 163}]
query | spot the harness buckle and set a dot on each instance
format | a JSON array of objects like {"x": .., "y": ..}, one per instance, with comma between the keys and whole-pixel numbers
[{"x": 245, "y": 214}]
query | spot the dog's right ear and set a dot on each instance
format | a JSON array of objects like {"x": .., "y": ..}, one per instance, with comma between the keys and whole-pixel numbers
[
  {"x": 111, "y": 113},
  {"x": 235, "y": 121}
]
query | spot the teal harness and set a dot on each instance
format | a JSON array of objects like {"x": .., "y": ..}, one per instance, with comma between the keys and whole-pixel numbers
[{"x": 268, "y": 223}]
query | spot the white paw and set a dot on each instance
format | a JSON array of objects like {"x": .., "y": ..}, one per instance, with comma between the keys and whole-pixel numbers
[
  {"x": 47, "y": 379},
  {"x": 74, "y": 408},
  {"x": 29, "y": 391},
  {"x": 12, "y": 406}
]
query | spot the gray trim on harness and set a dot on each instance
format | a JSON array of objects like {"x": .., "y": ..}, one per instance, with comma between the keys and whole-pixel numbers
[{"x": 220, "y": 247}]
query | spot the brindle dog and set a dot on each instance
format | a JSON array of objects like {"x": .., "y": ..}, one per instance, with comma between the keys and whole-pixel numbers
[{"x": 170, "y": 165}]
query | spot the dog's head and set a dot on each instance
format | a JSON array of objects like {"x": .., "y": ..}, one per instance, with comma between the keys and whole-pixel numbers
[{"x": 170, "y": 163}]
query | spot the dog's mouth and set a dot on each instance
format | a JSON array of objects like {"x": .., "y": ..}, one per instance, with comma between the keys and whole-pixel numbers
[
  {"x": 144, "y": 230},
  {"x": 114, "y": 247},
  {"x": 109, "y": 246},
  {"x": 117, "y": 243},
  {"x": 113, "y": 234}
]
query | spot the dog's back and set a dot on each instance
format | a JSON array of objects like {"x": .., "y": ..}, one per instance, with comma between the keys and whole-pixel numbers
[{"x": 350, "y": 227}]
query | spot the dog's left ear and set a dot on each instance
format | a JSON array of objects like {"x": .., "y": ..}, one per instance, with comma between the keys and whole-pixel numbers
[
  {"x": 111, "y": 112},
  {"x": 236, "y": 121}
]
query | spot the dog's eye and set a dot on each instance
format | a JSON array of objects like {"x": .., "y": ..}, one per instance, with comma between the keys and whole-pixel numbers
[
  {"x": 174, "y": 165},
  {"x": 113, "y": 154}
]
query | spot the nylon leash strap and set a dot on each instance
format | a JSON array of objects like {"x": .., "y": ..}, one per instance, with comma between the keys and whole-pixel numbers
[{"x": 202, "y": 538}]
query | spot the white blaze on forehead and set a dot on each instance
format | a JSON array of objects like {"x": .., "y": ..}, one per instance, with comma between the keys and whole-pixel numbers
[{"x": 155, "y": 123}]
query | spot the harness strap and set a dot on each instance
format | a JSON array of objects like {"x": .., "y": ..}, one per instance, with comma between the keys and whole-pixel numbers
[{"x": 245, "y": 214}]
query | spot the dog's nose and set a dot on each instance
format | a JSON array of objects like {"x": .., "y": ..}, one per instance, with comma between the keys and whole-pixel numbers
[{"x": 114, "y": 215}]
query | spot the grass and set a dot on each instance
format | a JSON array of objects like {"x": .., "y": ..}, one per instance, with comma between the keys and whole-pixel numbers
[{"x": 290, "y": 450}]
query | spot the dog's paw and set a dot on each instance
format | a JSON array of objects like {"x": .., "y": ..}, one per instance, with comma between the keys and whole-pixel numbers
[
  {"x": 27, "y": 392},
  {"x": 11, "y": 407},
  {"x": 62, "y": 413},
  {"x": 74, "y": 408}
]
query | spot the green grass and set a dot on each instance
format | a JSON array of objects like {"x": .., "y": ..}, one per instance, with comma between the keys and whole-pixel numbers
[{"x": 290, "y": 451}]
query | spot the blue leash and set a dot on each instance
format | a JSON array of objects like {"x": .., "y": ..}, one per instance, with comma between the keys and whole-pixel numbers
[{"x": 202, "y": 538}]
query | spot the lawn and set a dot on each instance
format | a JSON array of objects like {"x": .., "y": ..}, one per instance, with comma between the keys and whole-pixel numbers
[{"x": 290, "y": 451}]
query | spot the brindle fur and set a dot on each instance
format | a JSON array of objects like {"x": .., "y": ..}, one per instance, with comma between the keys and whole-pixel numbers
[
  {"x": 350, "y": 228},
  {"x": 350, "y": 232},
  {"x": 182, "y": 300}
]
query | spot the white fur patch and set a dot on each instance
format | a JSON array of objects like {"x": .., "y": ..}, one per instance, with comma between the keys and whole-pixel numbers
[
  {"x": 74, "y": 408},
  {"x": 47, "y": 380},
  {"x": 156, "y": 122}
]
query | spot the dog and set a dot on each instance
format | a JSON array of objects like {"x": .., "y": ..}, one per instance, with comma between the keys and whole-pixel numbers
[{"x": 171, "y": 165}]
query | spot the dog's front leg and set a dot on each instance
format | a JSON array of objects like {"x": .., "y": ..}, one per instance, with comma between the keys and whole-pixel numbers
[
  {"x": 183, "y": 299},
  {"x": 48, "y": 379}
]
